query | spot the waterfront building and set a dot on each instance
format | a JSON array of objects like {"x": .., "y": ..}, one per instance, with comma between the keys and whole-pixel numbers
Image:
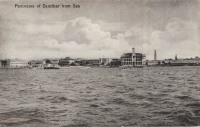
[
  {"x": 53, "y": 62},
  {"x": 66, "y": 61},
  {"x": 17, "y": 63},
  {"x": 78, "y": 61},
  {"x": 132, "y": 59},
  {"x": 109, "y": 62},
  {"x": 93, "y": 62},
  {"x": 46, "y": 61},
  {"x": 35, "y": 63},
  {"x": 105, "y": 61},
  {"x": 90, "y": 62},
  {"x": 152, "y": 62},
  {"x": 181, "y": 62},
  {"x": 115, "y": 63},
  {"x": 126, "y": 59}
]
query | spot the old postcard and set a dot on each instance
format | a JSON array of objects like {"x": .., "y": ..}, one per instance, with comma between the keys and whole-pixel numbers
[{"x": 99, "y": 63}]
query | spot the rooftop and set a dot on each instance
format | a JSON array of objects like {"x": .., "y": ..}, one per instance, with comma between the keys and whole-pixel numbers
[{"x": 128, "y": 55}]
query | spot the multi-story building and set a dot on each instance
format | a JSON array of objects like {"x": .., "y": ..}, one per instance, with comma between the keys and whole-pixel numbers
[
  {"x": 132, "y": 59},
  {"x": 66, "y": 61}
]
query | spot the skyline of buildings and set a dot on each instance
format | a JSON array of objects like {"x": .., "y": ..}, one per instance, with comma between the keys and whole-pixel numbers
[
  {"x": 155, "y": 56},
  {"x": 133, "y": 59}
]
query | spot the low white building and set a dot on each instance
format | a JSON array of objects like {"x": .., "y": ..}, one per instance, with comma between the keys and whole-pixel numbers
[
  {"x": 53, "y": 62},
  {"x": 16, "y": 63},
  {"x": 105, "y": 61},
  {"x": 152, "y": 62}
]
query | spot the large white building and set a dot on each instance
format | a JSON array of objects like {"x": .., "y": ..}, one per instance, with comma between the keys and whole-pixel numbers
[{"x": 132, "y": 59}]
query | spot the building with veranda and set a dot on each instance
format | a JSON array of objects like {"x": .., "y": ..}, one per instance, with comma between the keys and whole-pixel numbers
[{"x": 132, "y": 59}]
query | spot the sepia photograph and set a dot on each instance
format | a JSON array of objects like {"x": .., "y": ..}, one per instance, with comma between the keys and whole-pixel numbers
[{"x": 99, "y": 63}]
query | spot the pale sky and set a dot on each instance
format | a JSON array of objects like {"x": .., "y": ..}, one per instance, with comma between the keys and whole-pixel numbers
[{"x": 100, "y": 28}]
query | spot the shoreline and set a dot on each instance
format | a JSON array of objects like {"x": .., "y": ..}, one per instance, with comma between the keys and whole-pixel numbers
[{"x": 120, "y": 67}]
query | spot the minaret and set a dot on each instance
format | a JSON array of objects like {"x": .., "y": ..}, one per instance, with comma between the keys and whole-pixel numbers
[
  {"x": 176, "y": 57},
  {"x": 155, "y": 55},
  {"x": 133, "y": 56}
]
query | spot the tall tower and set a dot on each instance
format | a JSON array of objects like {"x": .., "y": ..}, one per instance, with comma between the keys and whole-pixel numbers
[
  {"x": 176, "y": 57},
  {"x": 133, "y": 56},
  {"x": 133, "y": 51},
  {"x": 155, "y": 55}
]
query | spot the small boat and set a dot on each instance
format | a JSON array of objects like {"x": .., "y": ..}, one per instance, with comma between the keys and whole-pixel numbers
[
  {"x": 138, "y": 66},
  {"x": 125, "y": 67},
  {"x": 129, "y": 67},
  {"x": 51, "y": 68}
]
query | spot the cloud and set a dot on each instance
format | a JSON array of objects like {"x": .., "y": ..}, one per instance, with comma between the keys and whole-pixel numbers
[
  {"x": 80, "y": 37},
  {"x": 179, "y": 37},
  {"x": 114, "y": 27},
  {"x": 86, "y": 38},
  {"x": 137, "y": 35},
  {"x": 82, "y": 30},
  {"x": 51, "y": 29}
]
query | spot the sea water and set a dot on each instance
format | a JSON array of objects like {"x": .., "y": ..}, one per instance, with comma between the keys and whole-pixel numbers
[{"x": 100, "y": 97}]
